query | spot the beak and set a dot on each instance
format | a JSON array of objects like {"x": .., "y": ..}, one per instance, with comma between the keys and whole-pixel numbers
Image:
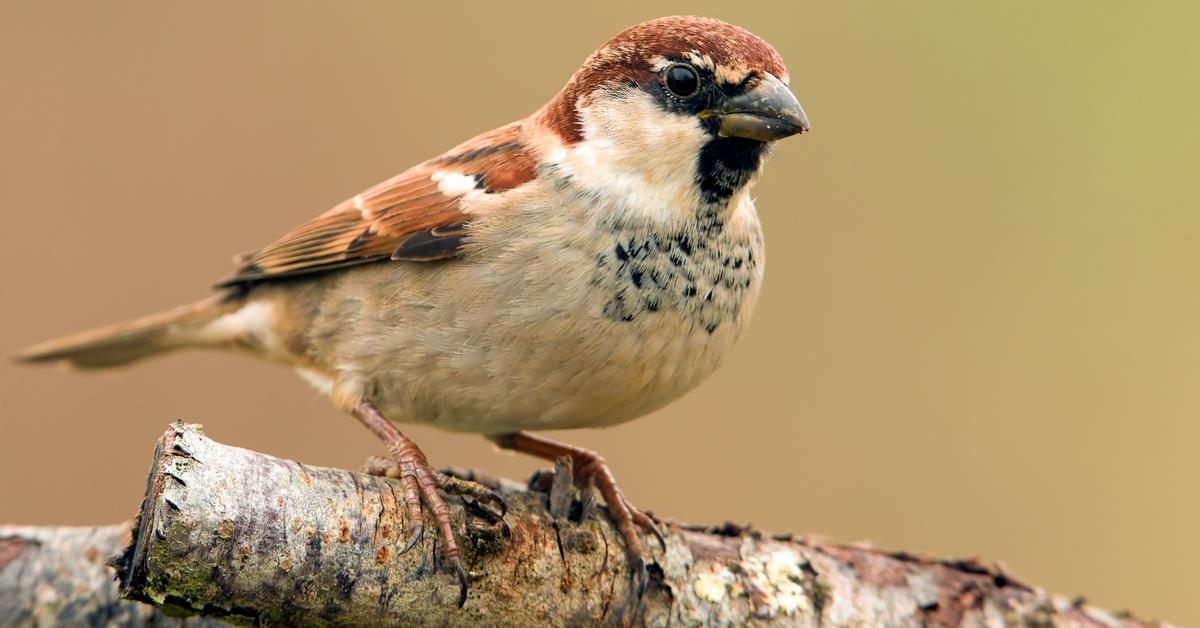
[{"x": 766, "y": 113}]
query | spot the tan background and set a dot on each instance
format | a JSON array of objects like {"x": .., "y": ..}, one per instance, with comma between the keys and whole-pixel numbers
[{"x": 979, "y": 330}]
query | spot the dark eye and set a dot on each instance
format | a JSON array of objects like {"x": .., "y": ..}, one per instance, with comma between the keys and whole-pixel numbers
[{"x": 682, "y": 80}]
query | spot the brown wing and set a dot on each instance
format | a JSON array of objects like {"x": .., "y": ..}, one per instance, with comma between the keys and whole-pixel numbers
[{"x": 421, "y": 214}]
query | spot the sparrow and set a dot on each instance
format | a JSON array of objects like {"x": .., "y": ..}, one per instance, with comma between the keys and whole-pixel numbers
[{"x": 578, "y": 268}]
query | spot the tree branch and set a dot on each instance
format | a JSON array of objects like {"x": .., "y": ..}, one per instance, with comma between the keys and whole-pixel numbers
[
  {"x": 244, "y": 536},
  {"x": 56, "y": 576}
]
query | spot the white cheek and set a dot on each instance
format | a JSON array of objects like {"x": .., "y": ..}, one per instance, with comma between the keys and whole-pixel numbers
[{"x": 638, "y": 154}]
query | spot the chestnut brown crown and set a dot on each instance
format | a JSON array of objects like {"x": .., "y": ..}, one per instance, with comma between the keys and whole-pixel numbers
[{"x": 630, "y": 57}]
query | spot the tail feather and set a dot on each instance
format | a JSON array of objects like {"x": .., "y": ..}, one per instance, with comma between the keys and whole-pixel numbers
[{"x": 120, "y": 344}]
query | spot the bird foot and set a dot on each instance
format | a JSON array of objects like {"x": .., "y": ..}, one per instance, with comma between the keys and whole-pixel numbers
[
  {"x": 592, "y": 474},
  {"x": 589, "y": 473},
  {"x": 449, "y": 481},
  {"x": 421, "y": 483}
]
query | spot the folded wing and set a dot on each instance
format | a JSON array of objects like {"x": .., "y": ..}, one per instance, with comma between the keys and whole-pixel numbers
[{"x": 422, "y": 214}]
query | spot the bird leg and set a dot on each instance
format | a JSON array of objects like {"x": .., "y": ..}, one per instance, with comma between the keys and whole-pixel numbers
[
  {"x": 420, "y": 483},
  {"x": 450, "y": 481},
  {"x": 592, "y": 471}
]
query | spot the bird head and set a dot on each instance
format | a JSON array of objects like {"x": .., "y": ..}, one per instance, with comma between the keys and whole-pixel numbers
[{"x": 687, "y": 105}]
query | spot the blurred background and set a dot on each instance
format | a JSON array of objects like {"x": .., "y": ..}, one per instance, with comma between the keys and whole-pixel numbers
[{"x": 978, "y": 334}]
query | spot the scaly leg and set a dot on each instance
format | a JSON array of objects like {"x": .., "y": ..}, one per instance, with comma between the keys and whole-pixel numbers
[
  {"x": 420, "y": 482},
  {"x": 450, "y": 483},
  {"x": 592, "y": 471}
]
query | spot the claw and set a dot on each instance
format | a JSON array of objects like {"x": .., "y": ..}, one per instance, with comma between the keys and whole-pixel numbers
[
  {"x": 593, "y": 475},
  {"x": 462, "y": 582},
  {"x": 420, "y": 483},
  {"x": 414, "y": 537},
  {"x": 646, "y": 523},
  {"x": 662, "y": 542}
]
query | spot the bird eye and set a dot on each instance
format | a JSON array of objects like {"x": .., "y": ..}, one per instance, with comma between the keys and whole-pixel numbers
[{"x": 682, "y": 80}]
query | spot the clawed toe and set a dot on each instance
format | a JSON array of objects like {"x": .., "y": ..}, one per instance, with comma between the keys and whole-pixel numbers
[
  {"x": 462, "y": 582},
  {"x": 414, "y": 537},
  {"x": 421, "y": 484},
  {"x": 589, "y": 474},
  {"x": 646, "y": 523},
  {"x": 449, "y": 482}
]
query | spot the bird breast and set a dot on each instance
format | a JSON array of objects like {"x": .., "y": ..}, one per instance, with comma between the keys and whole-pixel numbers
[{"x": 552, "y": 319}]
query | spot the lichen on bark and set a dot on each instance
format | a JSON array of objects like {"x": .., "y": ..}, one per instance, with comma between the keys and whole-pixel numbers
[
  {"x": 234, "y": 533},
  {"x": 238, "y": 536}
]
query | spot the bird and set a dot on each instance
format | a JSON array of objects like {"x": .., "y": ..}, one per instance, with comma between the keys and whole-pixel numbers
[{"x": 578, "y": 268}]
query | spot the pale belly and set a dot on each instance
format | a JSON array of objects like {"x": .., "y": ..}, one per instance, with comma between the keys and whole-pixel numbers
[
  {"x": 601, "y": 375},
  {"x": 543, "y": 338}
]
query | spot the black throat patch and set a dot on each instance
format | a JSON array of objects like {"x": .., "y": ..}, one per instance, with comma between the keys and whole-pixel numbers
[{"x": 726, "y": 165}]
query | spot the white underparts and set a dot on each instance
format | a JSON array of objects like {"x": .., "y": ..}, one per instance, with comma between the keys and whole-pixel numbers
[{"x": 252, "y": 323}]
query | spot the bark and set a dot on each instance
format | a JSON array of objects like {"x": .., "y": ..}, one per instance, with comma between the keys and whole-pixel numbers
[
  {"x": 246, "y": 537},
  {"x": 56, "y": 576}
]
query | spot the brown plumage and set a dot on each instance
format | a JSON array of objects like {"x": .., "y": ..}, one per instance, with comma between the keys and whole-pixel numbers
[
  {"x": 578, "y": 268},
  {"x": 130, "y": 341},
  {"x": 408, "y": 217},
  {"x": 627, "y": 58}
]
